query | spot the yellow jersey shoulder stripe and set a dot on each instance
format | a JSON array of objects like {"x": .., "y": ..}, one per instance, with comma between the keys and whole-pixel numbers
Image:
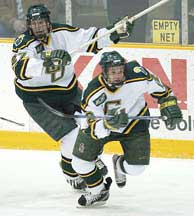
[
  {"x": 136, "y": 80},
  {"x": 63, "y": 27},
  {"x": 93, "y": 87}
]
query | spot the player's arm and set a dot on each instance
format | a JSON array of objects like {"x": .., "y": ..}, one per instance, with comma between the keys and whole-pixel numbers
[
  {"x": 92, "y": 125},
  {"x": 80, "y": 36},
  {"x": 25, "y": 65},
  {"x": 167, "y": 100},
  {"x": 122, "y": 32}
]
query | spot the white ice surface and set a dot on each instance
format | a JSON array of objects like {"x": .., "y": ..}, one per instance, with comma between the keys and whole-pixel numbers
[{"x": 32, "y": 184}]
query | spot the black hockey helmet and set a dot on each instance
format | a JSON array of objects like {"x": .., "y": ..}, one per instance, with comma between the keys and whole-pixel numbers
[
  {"x": 111, "y": 59},
  {"x": 38, "y": 13}
]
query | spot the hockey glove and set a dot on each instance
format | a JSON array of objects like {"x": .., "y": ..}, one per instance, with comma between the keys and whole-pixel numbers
[
  {"x": 122, "y": 32},
  {"x": 119, "y": 119},
  {"x": 170, "y": 109},
  {"x": 61, "y": 55},
  {"x": 55, "y": 60}
]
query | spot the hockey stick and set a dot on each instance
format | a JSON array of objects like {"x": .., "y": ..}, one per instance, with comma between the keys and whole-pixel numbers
[
  {"x": 131, "y": 19},
  {"x": 79, "y": 116},
  {"x": 11, "y": 121}
]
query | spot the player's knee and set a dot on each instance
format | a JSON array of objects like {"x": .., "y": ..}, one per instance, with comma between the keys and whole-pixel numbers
[
  {"x": 134, "y": 169},
  {"x": 82, "y": 166}
]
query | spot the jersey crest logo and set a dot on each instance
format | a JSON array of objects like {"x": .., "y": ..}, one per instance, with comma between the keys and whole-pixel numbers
[
  {"x": 100, "y": 99},
  {"x": 19, "y": 40},
  {"x": 140, "y": 70}
]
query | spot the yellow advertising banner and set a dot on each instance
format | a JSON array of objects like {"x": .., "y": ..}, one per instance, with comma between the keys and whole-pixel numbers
[{"x": 165, "y": 31}]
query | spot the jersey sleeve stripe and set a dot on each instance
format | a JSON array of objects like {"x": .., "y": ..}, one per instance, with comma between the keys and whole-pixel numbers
[
  {"x": 161, "y": 94},
  {"x": 20, "y": 68},
  {"x": 23, "y": 69},
  {"x": 93, "y": 47},
  {"x": 92, "y": 126}
]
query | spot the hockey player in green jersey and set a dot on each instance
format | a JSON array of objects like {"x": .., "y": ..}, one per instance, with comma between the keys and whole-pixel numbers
[
  {"x": 44, "y": 72},
  {"x": 118, "y": 92}
]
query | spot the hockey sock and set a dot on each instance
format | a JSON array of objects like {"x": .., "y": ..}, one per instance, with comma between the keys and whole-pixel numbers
[
  {"x": 94, "y": 180},
  {"x": 67, "y": 167}
]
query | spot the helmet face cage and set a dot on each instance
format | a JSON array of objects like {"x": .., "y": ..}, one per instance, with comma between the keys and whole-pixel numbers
[
  {"x": 38, "y": 21},
  {"x": 111, "y": 59}
]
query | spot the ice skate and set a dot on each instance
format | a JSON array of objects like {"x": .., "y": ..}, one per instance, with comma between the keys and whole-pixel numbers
[
  {"x": 89, "y": 199},
  {"x": 77, "y": 183},
  {"x": 119, "y": 177}
]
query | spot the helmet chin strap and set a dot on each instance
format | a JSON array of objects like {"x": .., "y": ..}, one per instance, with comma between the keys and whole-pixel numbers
[
  {"x": 116, "y": 85},
  {"x": 43, "y": 38}
]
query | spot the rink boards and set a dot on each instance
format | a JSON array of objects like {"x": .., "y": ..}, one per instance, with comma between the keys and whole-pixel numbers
[{"x": 174, "y": 65}]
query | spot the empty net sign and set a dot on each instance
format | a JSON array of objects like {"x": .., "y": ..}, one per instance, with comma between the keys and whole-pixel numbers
[{"x": 165, "y": 31}]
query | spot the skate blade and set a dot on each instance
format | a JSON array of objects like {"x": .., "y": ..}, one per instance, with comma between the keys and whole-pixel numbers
[
  {"x": 82, "y": 191},
  {"x": 121, "y": 184},
  {"x": 95, "y": 205}
]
